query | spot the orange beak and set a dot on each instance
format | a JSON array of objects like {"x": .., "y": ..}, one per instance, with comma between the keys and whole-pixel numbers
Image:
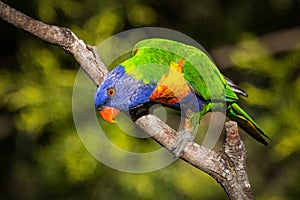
[{"x": 108, "y": 114}]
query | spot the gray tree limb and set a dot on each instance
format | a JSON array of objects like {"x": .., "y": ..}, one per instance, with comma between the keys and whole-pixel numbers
[
  {"x": 85, "y": 55},
  {"x": 227, "y": 166}
]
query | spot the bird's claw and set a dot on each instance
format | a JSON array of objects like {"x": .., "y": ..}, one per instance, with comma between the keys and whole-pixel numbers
[{"x": 184, "y": 137}]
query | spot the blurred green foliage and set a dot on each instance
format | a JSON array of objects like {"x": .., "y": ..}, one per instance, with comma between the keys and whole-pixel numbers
[{"x": 42, "y": 156}]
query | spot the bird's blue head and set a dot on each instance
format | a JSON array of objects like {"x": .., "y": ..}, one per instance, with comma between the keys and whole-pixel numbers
[{"x": 119, "y": 92}]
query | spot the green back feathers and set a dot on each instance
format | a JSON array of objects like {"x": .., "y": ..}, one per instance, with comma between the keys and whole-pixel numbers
[
  {"x": 153, "y": 57},
  {"x": 148, "y": 65}
]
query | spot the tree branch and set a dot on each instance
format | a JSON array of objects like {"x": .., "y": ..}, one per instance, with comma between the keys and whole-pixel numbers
[
  {"x": 226, "y": 166},
  {"x": 85, "y": 55}
]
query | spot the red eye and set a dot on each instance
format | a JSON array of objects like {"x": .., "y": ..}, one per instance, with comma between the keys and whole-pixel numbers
[
  {"x": 111, "y": 92},
  {"x": 135, "y": 51}
]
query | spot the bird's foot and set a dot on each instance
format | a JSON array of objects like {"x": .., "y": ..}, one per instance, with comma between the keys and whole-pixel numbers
[{"x": 184, "y": 137}]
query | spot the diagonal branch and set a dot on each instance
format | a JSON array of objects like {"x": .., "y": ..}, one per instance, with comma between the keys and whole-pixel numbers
[
  {"x": 226, "y": 166},
  {"x": 85, "y": 55}
]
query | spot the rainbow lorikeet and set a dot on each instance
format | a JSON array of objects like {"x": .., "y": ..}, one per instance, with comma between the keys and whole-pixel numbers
[{"x": 175, "y": 75}]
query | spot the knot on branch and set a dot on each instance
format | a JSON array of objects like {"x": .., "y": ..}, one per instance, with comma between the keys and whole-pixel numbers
[{"x": 65, "y": 35}]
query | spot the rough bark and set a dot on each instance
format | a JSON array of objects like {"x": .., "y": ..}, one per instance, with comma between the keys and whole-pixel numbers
[
  {"x": 85, "y": 55},
  {"x": 227, "y": 166}
]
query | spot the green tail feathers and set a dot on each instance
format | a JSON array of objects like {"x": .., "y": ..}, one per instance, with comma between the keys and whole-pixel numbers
[{"x": 236, "y": 113}]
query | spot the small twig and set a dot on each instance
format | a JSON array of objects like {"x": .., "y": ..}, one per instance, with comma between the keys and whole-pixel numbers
[
  {"x": 235, "y": 149},
  {"x": 226, "y": 166}
]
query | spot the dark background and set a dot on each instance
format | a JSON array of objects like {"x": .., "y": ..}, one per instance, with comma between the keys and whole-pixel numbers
[{"x": 255, "y": 43}]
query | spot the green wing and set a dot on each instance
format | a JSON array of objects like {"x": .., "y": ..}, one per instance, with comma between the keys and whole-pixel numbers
[
  {"x": 152, "y": 59},
  {"x": 199, "y": 71}
]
